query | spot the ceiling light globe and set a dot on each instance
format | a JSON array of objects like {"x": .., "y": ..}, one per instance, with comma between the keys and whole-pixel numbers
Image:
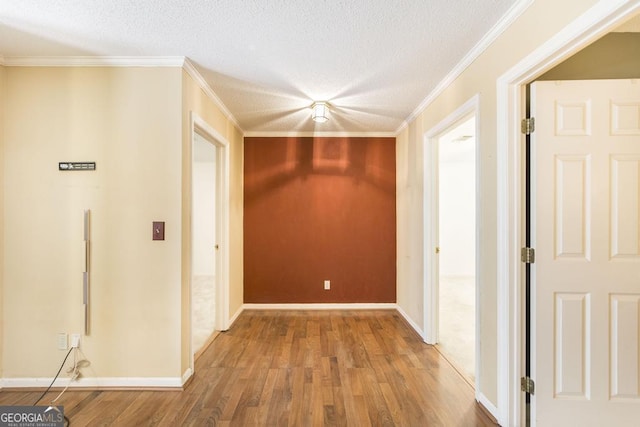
[{"x": 319, "y": 112}]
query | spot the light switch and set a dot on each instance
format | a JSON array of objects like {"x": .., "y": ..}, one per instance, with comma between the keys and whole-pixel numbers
[{"x": 158, "y": 230}]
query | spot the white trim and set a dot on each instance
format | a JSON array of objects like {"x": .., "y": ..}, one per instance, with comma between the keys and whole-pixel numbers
[
  {"x": 197, "y": 77},
  {"x": 431, "y": 223},
  {"x": 295, "y": 134},
  {"x": 233, "y": 318},
  {"x": 595, "y": 22},
  {"x": 322, "y": 306},
  {"x": 484, "y": 401},
  {"x": 96, "y": 383},
  {"x": 507, "y": 19},
  {"x": 223, "y": 267},
  {"x": 187, "y": 374},
  {"x": 411, "y": 322},
  {"x": 94, "y": 61},
  {"x": 431, "y": 235},
  {"x": 430, "y": 199},
  {"x": 508, "y": 266}
]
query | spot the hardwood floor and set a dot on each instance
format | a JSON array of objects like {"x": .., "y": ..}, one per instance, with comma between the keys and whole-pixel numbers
[{"x": 295, "y": 368}]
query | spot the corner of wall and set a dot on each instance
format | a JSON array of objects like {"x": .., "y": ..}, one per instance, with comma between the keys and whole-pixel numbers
[
  {"x": 409, "y": 265},
  {"x": 199, "y": 98}
]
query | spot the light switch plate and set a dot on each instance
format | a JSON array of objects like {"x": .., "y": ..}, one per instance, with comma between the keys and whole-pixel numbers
[{"x": 158, "y": 230}]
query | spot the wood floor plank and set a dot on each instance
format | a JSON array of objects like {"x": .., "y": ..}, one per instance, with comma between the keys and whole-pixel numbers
[
  {"x": 296, "y": 368},
  {"x": 339, "y": 412},
  {"x": 266, "y": 397},
  {"x": 280, "y": 404}
]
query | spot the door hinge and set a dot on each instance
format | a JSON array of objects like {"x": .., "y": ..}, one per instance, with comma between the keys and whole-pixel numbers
[
  {"x": 528, "y": 126},
  {"x": 528, "y": 255},
  {"x": 527, "y": 385}
]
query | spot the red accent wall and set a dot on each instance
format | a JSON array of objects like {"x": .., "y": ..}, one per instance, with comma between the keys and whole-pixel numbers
[{"x": 319, "y": 209}]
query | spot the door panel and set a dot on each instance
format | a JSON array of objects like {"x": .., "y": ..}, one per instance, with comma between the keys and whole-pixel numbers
[
  {"x": 625, "y": 213},
  {"x": 586, "y": 231},
  {"x": 572, "y": 359},
  {"x": 625, "y": 319}
]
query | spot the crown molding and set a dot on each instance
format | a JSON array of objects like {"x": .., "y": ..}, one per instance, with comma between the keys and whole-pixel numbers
[
  {"x": 336, "y": 134},
  {"x": 94, "y": 61},
  {"x": 405, "y": 123},
  {"x": 512, "y": 14},
  {"x": 197, "y": 77}
]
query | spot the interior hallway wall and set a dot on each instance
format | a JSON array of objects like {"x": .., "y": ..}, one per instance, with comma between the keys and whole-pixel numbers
[
  {"x": 196, "y": 100},
  {"x": 128, "y": 121},
  {"x": 320, "y": 209},
  {"x": 131, "y": 121},
  {"x": 410, "y": 224},
  {"x": 520, "y": 39}
]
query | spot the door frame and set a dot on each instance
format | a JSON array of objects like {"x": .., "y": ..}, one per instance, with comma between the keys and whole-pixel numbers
[
  {"x": 511, "y": 108},
  {"x": 431, "y": 226},
  {"x": 201, "y": 127}
]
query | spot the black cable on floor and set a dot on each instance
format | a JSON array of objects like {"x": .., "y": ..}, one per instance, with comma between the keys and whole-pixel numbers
[{"x": 54, "y": 380}]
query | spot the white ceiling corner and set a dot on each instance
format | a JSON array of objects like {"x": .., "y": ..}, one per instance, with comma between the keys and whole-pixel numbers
[{"x": 376, "y": 62}]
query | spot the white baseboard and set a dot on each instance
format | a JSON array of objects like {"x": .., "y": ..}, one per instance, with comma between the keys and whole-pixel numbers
[
  {"x": 493, "y": 410},
  {"x": 187, "y": 374},
  {"x": 235, "y": 316},
  {"x": 142, "y": 383},
  {"x": 327, "y": 306},
  {"x": 411, "y": 323}
]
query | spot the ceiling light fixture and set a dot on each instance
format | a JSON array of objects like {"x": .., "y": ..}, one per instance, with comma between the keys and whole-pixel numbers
[{"x": 319, "y": 112}]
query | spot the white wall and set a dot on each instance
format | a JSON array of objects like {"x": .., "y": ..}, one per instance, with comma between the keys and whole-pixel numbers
[
  {"x": 457, "y": 182},
  {"x": 204, "y": 208}
]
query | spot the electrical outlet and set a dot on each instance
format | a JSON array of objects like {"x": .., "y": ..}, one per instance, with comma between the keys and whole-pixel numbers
[
  {"x": 62, "y": 341},
  {"x": 327, "y": 285},
  {"x": 75, "y": 340}
]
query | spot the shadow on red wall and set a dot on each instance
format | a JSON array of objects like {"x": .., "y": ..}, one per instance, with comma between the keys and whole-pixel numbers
[{"x": 319, "y": 209}]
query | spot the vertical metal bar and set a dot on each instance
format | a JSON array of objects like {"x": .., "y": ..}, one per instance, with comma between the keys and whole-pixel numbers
[{"x": 87, "y": 268}]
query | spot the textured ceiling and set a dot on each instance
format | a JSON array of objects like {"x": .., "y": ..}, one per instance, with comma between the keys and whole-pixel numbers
[{"x": 374, "y": 61}]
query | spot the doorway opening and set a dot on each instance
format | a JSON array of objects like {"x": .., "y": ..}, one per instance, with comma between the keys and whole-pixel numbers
[
  {"x": 216, "y": 250},
  {"x": 451, "y": 240},
  {"x": 204, "y": 238},
  {"x": 456, "y": 246},
  {"x": 510, "y": 175}
]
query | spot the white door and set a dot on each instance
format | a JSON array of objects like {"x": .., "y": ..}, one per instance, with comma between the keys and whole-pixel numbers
[{"x": 586, "y": 233}]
